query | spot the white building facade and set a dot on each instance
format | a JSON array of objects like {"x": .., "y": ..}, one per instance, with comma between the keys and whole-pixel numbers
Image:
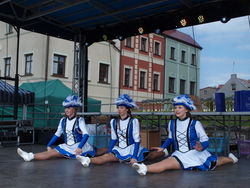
[{"x": 43, "y": 58}]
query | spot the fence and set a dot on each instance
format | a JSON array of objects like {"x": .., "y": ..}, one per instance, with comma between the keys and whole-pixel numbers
[
  {"x": 224, "y": 128},
  {"x": 231, "y": 126}
]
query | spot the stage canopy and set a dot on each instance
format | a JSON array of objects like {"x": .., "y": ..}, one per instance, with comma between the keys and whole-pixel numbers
[{"x": 98, "y": 20}]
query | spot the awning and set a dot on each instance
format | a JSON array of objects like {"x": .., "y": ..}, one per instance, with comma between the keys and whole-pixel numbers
[{"x": 7, "y": 93}]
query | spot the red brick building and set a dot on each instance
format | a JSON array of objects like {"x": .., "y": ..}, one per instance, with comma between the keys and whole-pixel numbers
[{"x": 142, "y": 67}]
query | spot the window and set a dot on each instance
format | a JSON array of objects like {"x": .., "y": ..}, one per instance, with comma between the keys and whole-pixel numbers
[
  {"x": 157, "y": 48},
  {"x": 142, "y": 79},
  {"x": 9, "y": 29},
  {"x": 7, "y": 66},
  {"x": 59, "y": 65},
  {"x": 233, "y": 87},
  {"x": 143, "y": 44},
  {"x": 28, "y": 64},
  {"x": 171, "y": 85},
  {"x": 156, "y": 82},
  {"x": 129, "y": 42},
  {"x": 192, "y": 88},
  {"x": 205, "y": 92},
  {"x": 183, "y": 55},
  {"x": 193, "y": 59},
  {"x": 103, "y": 73},
  {"x": 127, "y": 77},
  {"x": 182, "y": 86},
  {"x": 172, "y": 53}
]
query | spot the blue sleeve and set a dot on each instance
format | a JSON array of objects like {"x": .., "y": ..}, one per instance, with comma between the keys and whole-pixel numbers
[
  {"x": 204, "y": 145},
  {"x": 136, "y": 149},
  {"x": 111, "y": 145},
  {"x": 52, "y": 140},
  {"x": 83, "y": 141},
  {"x": 167, "y": 143}
]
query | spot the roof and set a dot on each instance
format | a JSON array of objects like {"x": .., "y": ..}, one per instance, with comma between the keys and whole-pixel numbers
[
  {"x": 7, "y": 93},
  {"x": 209, "y": 87},
  {"x": 182, "y": 37},
  {"x": 220, "y": 86},
  {"x": 96, "y": 20},
  {"x": 245, "y": 82}
]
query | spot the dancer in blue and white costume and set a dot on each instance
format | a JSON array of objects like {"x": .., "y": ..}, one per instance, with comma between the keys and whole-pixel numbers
[
  {"x": 125, "y": 137},
  {"x": 75, "y": 136},
  {"x": 189, "y": 153}
]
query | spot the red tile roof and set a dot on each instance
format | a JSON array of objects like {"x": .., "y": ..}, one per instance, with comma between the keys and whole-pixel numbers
[
  {"x": 247, "y": 82},
  {"x": 209, "y": 87},
  {"x": 182, "y": 37},
  {"x": 220, "y": 86}
]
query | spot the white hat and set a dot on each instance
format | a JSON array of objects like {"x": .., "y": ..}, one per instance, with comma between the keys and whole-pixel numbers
[
  {"x": 185, "y": 101},
  {"x": 72, "y": 101},
  {"x": 125, "y": 100}
]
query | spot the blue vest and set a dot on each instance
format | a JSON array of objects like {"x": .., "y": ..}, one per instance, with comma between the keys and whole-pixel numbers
[
  {"x": 76, "y": 130},
  {"x": 129, "y": 132},
  {"x": 191, "y": 134}
]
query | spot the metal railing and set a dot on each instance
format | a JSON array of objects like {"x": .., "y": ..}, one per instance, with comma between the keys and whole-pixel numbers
[{"x": 229, "y": 126}]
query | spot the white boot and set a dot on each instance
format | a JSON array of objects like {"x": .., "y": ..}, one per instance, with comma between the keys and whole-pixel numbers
[
  {"x": 84, "y": 160},
  {"x": 26, "y": 156},
  {"x": 232, "y": 156},
  {"x": 140, "y": 168}
]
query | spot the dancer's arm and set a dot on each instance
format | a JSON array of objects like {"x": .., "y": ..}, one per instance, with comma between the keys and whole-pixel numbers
[
  {"x": 111, "y": 145},
  {"x": 83, "y": 141},
  {"x": 114, "y": 139},
  {"x": 169, "y": 140},
  {"x": 58, "y": 133},
  {"x": 203, "y": 138},
  {"x": 136, "y": 137}
]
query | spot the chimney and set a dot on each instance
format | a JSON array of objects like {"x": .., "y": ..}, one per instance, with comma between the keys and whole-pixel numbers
[{"x": 234, "y": 76}]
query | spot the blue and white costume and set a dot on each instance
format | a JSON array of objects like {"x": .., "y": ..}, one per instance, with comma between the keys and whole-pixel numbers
[
  {"x": 183, "y": 134},
  {"x": 74, "y": 132},
  {"x": 75, "y": 136},
  {"x": 125, "y": 134}
]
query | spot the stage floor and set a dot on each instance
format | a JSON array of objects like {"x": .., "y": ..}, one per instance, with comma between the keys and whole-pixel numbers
[{"x": 70, "y": 173}]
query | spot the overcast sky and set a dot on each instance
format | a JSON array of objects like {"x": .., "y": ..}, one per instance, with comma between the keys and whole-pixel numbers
[{"x": 226, "y": 50}]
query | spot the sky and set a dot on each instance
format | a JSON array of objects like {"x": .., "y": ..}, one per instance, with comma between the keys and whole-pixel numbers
[{"x": 226, "y": 50}]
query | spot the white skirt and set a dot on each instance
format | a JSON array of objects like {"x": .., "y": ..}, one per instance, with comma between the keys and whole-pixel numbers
[
  {"x": 126, "y": 153},
  {"x": 69, "y": 151},
  {"x": 193, "y": 159}
]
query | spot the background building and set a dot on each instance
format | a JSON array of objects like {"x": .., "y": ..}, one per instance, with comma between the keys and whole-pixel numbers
[
  {"x": 207, "y": 93},
  {"x": 142, "y": 67},
  {"x": 182, "y": 64},
  {"x": 234, "y": 84},
  {"x": 44, "y": 58},
  {"x": 149, "y": 67}
]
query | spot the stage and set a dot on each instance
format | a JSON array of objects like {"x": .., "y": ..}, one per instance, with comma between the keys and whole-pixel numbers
[{"x": 70, "y": 173}]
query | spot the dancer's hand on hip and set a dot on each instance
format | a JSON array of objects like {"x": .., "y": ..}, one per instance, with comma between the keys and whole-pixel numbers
[{"x": 198, "y": 146}]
